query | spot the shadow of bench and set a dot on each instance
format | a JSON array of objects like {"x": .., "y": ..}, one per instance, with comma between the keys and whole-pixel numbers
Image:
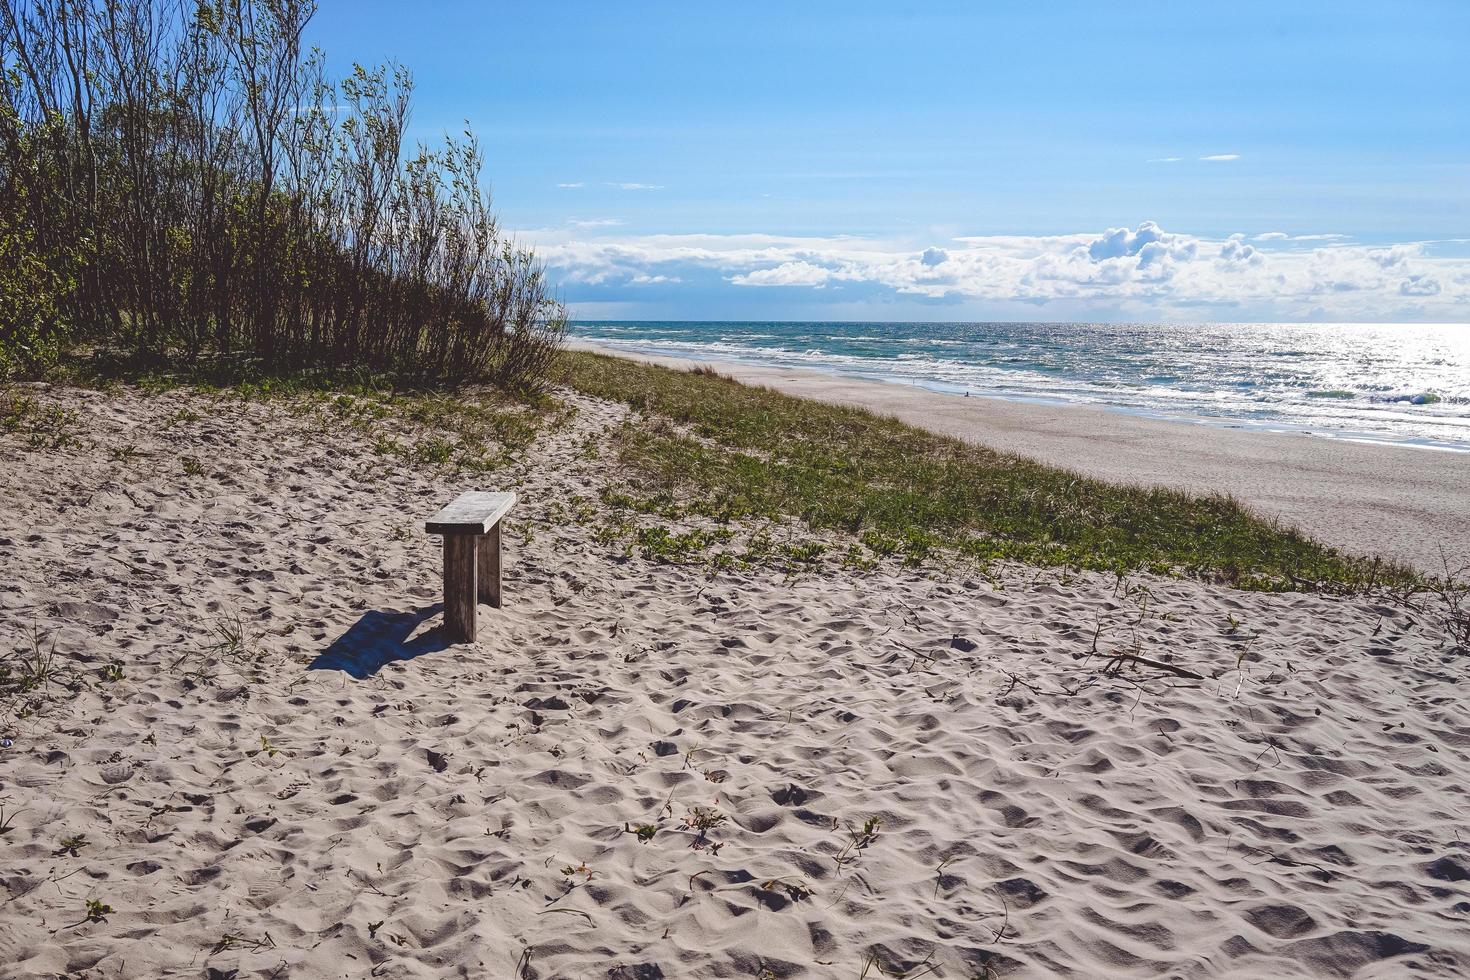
[{"x": 381, "y": 637}]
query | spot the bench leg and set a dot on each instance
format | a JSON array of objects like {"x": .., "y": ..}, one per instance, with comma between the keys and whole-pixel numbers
[
  {"x": 489, "y": 569},
  {"x": 459, "y": 586}
]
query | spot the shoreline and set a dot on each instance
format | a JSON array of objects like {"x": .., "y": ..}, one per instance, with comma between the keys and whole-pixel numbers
[
  {"x": 1377, "y": 498},
  {"x": 1272, "y": 426}
]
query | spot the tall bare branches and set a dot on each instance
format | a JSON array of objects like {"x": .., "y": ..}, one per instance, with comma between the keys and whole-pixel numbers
[{"x": 194, "y": 184}]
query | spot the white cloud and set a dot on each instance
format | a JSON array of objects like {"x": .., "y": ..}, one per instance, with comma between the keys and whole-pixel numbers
[
  {"x": 1145, "y": 270},
  {"x": 573, "y": 184},
  {"x": 786, "y": 274},
  {"x": 631, "y": 186},
  {"x": 594, "y": 222},
  {"x": 1420, "y": 285},
  {"x": 1116, "y": 242},
  {"x": 1281, "y": 236},
  {"x": 1236, "y": 251},
  {"x": 1211, "y": 158},
  {"x": 1394, "y": 257}
]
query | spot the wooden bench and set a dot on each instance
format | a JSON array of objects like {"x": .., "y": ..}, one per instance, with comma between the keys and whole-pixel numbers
[{"x": 471, "y": 529}]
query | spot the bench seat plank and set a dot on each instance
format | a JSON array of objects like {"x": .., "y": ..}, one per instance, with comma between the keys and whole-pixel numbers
[{"x": 474, "y": 512}]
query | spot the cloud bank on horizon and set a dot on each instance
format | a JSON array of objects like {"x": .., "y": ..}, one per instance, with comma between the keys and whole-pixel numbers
[{"x": 1142, "y": 273}]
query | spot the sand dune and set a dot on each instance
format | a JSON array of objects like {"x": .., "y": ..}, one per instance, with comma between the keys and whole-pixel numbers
[
  {"x": 844, "y": 773},
  {"x": 1405, "y": 503}
]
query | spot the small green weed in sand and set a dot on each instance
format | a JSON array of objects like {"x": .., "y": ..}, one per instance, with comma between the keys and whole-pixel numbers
[
  {"x": 30, "y": 681},
  {"x": 644, "y": 832},
  {"x": 433, "y": 451},
  {"x": 72, "y": 845},
  {"x": 857, "y": 840},
  {"x": 232, "y": 642},
  {"x": 571, "y": 872},
  {"x": 182, "y": 417},
  {"x": 231, "y": 648},
  {"x": 266, "y": 749},
  {"x": 704, "y": 819},
  {"x": 664, "y": 544},
  {"x": 45, "y": 427}
]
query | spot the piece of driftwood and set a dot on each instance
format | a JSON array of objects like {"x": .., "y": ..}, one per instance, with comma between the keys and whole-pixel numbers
[{"x": 471, "y": 529}]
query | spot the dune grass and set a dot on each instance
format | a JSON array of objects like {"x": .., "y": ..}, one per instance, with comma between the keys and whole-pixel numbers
[
  {"x": 720, "y": 449},
  {"x": 409, "y": 420},
  {"x": 710, "y": 449}
]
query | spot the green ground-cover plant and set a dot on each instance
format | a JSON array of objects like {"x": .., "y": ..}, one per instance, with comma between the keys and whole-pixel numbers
[
  {"x": 72, "y": 845},
  {"x": 44, "y": 426},
  {"x": 32, "y": 677},
  {"x": 721, "y": 450}
]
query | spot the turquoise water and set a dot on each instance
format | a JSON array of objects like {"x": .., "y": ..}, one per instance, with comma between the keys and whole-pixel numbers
[{"x": 1403, "y": 383}]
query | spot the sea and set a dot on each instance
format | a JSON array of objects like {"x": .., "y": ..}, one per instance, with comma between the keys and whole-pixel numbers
[{"x": 1407, "y": 384}]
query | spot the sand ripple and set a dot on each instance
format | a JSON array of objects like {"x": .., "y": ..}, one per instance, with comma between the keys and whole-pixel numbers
[{"x": 841, "y": 772}]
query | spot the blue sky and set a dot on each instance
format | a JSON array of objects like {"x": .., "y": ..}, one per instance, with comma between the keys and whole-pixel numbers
[{"x": 960, "y": 161}]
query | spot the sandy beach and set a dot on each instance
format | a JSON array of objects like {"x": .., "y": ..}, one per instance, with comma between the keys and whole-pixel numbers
[
  {"x": 272, "y": 765},
  {"x": 358, "y": 624},
  {"x": 1407, "y": 503}
]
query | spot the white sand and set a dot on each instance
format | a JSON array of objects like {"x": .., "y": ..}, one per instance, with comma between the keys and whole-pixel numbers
[
  {"x": 1406, "y": 503},
  {"x": 1301, "y": 813}
]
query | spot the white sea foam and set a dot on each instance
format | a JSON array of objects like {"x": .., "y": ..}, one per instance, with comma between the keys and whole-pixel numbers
[{"x": 1403, "y": 383}]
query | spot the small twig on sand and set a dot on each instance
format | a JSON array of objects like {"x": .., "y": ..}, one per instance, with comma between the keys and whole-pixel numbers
[
  {"x": 1115, "y": 663},
  {"x": 1289, "y": 862},
  {"x": 1016, "y": 680},
  {"x": 1005, "y": 924},
  {"x": 54, "y": 879}
]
